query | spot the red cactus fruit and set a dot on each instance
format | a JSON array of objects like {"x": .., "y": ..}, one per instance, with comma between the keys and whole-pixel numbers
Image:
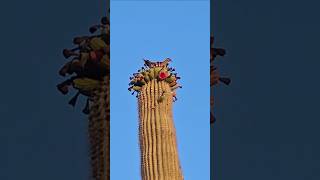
[{"x": 163, "y": 75}]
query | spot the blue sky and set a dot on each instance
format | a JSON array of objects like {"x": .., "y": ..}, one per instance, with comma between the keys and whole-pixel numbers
[{"x": 157, "y": 30}]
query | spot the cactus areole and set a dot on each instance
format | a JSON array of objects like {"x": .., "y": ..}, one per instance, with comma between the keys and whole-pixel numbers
[{"x": 155, "y": 85}]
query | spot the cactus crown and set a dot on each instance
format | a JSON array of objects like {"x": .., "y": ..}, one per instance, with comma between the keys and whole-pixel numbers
[{"x": 159, "y": 71}]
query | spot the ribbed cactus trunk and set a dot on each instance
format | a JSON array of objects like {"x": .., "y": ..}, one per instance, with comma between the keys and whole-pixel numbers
[
  {"x": 159, "y": 154},
  {"x": 99, "y": 132}
]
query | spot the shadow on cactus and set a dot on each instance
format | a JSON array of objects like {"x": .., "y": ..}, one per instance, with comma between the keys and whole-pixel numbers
[{"x": 89, "y": 62}]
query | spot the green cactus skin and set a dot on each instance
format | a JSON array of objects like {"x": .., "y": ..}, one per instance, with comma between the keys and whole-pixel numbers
[
  {"x": 161, "y": 98},
  {"x": 170, "y": 79},
  {"x": 151, "y": 74},
  {"x": 147, "y": 78},
  {"x": 157, "y": 71},
  {"x": 136, "y": 88},
  {"x": 144, "y": 73},
  {"x": 143, "y": 81}
]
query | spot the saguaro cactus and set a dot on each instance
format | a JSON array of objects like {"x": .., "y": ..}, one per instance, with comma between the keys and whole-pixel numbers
[
  {"x": 90, "y": 63},
  {"x": 99, "y": 131},
  {"x": 155, "y": 86}
]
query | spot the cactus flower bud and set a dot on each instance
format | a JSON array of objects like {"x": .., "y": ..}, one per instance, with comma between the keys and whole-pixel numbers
[{"x": 136, "y": 88}]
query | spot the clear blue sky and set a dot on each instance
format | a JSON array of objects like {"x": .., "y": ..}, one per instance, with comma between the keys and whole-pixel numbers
[{"x": 157, "y": 30}]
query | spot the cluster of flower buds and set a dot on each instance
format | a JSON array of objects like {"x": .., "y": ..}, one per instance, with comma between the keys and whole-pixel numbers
[
  {"x": 89, "y": 61},
  {"x": 155, "y": 71},
  {"x": 89, "y": 50},
  {"x": 215, "y": 77}
]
